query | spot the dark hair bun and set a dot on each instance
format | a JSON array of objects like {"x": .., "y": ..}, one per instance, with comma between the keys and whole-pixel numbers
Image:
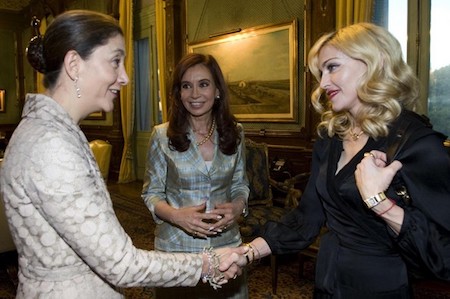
[
  {"x": 35, "y": 54},
  {"x": 35, "y": 50}
]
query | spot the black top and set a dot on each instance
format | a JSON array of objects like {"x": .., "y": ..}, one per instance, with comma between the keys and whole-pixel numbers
[{"x": 360, "y": 257}]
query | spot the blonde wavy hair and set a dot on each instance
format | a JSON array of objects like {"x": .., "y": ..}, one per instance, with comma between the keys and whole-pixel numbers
[{"x": 388, "y": 86}]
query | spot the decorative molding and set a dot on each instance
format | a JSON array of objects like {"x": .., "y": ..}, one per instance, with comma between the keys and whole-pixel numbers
[{"x": 323, "y": 7}]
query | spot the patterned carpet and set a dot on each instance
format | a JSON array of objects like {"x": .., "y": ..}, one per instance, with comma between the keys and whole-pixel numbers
[{"x": 137, "y": 222}]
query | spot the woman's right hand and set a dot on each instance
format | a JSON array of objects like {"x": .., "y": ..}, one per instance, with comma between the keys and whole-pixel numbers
[
  {"x": 373, "y": 175},
  {"x": 227, "y": 264}
]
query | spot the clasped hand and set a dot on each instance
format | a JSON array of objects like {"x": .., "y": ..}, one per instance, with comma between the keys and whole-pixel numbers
[
  {"x": 373, "y": 175},
  {"x": 232, "y": 261},
  {"x": 195, "y": 221}
]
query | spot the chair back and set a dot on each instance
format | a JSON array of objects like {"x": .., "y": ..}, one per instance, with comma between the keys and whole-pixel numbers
[{"x": 258, "y": 173}]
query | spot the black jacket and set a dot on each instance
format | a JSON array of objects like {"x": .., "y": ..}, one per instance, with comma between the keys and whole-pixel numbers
[{"x": 360, "y": 257}]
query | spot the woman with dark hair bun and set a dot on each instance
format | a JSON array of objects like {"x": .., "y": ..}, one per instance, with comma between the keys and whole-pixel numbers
[
  {"x": 69, "y": 241},
  {"x": 195, "y": 183}
]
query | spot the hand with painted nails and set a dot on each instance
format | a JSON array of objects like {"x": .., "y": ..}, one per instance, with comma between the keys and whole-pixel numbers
[
  {"x": 195, "y": 221},
  {"x": 231, "y": 211}
]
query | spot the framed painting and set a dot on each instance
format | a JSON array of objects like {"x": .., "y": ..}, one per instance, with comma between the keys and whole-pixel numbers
[
  {"x": 2, "y": 100},
  {"x": 260, "y": 67}
]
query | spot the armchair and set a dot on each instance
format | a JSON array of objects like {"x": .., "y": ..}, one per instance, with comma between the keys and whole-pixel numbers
[
  {"x": 102, "y": 153},
  {"x": 261, "y": 201}
]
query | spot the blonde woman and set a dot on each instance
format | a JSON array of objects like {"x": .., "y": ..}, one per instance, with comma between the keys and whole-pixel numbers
[{"x": 377, "y": 238}]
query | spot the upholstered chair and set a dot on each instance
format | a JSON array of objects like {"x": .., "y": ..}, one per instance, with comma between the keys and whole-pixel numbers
[
  {"x": 102, "y": 153},
  {"x": 261, "y": 202}
]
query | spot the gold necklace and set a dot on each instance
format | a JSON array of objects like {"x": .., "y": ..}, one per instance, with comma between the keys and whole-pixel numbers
[
  {"x": 210, "y": 133},
  {"x": 355, "y": 136}
]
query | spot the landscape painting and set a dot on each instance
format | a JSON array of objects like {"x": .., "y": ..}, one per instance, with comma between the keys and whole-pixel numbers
[{"x": 259, "y": 66}]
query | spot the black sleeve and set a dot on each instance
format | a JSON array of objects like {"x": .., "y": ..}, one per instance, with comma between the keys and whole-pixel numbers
[
  {"x": 299, "y": 228},
  {"x": 424, "y": 239}
]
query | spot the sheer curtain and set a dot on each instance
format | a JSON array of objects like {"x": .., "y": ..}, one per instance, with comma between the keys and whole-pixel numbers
[
  {"x": 353, "y": 11},
  {"x": 142, "y": 85},
  {"x": 127, "y": 171}
]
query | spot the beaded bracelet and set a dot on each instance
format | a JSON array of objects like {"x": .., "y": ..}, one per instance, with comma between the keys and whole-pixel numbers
[{"x": 214, "y": 276}]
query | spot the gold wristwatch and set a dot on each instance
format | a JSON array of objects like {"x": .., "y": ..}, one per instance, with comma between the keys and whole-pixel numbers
[{"x": 375, "y": 200}]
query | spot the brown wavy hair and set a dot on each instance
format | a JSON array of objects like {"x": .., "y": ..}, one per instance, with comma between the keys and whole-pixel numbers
[
  {"x": 388, "y": 86},
  {"x": 226, "y": 124}
]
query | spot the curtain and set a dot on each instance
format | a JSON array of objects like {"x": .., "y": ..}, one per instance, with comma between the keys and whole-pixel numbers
[
  {"x": 161, "y": 50},
  {"x": 127, "y": 171},
  {"x": 142, "y": 89},
  {"x": 353, "y": 11}
]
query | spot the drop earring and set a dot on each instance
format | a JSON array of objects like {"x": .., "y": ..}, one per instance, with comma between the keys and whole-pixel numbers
[{"x": 77, "y": 89}]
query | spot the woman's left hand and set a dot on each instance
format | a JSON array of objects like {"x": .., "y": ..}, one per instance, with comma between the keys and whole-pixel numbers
[{"x": 230, "y": 211}]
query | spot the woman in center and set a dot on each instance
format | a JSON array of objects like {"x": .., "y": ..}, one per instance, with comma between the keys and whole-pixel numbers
[{"x": 195, "y": 183}]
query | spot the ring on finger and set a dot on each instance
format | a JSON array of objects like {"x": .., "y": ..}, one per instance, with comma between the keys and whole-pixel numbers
[
  {"x": 235, "y": 275},
  {"x": 369, "y": 154}
]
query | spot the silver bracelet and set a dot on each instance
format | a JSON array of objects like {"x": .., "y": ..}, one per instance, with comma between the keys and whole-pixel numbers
[{"x": 213, "y": 276}]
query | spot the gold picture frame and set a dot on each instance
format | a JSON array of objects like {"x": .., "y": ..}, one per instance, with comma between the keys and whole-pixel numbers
[
  {"x": 100, "y": 115},
  {"x": 2, "y": 100},
  {"x": 260, "y": 67}
]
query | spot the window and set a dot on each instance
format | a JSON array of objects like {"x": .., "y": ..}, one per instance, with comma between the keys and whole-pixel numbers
[
  {"x": 421, "y": 27},
  {"x": 142, "y": 85},
  {"x": 147, "y": 104},
  {"x": 439, "y": 88}
]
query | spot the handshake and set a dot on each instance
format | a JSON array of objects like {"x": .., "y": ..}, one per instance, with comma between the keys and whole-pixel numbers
[{"x": 222, "y": 264}]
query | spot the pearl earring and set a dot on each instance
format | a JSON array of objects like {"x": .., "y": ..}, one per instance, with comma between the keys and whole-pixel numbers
[{"x": 77, "y": 89}]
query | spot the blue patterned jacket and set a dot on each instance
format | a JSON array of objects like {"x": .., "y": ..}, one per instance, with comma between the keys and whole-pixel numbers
[{"x": 182, "y": 179}]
